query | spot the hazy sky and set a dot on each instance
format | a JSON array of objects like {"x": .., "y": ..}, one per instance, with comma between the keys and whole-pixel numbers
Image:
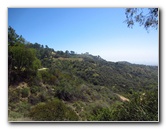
[{"x": 99, "y": 31}]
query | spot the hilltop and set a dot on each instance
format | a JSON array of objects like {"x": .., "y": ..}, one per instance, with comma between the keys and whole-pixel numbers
[{"x": 51, "y": 85}]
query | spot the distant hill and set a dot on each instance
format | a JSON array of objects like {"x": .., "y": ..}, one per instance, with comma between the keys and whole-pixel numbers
[{"x": 124, "y": 62}]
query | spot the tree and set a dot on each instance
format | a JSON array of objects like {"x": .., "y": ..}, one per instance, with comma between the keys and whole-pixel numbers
[
  {"x": 72, "y": 52},
  {"x": 46, "y": 47},
  {"x": 22, "y": 61},
  {"x": 23, "y": 58},
  {"x": 12, "y": 36},
  {"x": 145, "y": 17},
  {"x": 67, "y": 53}
]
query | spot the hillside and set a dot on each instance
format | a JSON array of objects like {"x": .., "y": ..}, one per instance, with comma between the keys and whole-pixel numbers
[{"x": 50, "y": 85}]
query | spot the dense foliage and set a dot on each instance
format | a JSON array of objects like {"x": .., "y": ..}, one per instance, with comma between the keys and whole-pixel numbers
[
  {"x": 49, "y": 85},
  {"x": 52, "y": 111}
]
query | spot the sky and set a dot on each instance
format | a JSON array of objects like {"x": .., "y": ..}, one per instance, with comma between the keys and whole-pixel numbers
[{"x": 99, "y": 31}]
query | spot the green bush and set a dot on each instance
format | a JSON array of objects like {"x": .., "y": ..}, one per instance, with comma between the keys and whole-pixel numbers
[
  {"x": 35, "y": 89},
  {"x": 100, "y": 114},
  {"x": 24, "y": 92},
  {"x": 47, "y": 77},
  {"x": 32, "y": 99},
  {"x": 52, "y": 111},
  {"x": 14, "y": 95},
  {"x": 12, "y": 115},
  {"x": 143, "y": 106}
]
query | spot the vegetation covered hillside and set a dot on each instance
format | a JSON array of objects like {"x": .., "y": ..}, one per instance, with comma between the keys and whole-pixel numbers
[{"x": 49, "y": 85}]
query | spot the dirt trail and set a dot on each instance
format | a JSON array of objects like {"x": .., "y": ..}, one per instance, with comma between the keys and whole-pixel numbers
[
  {"x": 42, "y": 69},
  {"x": 123, "y": 98}
]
